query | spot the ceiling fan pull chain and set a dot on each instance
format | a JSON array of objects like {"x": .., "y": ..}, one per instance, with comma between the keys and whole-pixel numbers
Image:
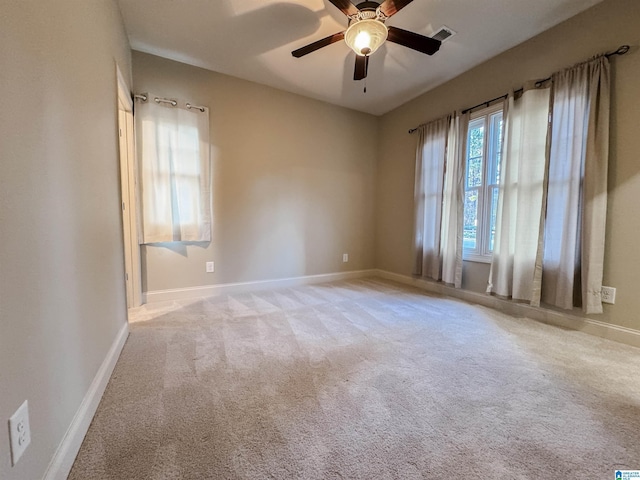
[{"x": 365, "y": 84}]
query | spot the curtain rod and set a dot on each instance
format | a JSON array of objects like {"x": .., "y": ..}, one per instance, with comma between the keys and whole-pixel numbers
[
  {"x": 620, "y": 51},
  {"x": 143, "y": 97}
]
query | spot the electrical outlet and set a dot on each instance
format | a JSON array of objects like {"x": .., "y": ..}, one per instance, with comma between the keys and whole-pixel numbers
[
  {"x": 345, "y": 257},
  {"x": 19, "y": 432},
  {"x": 211, "y": 267},
  {"x": 608, "y": 295}
]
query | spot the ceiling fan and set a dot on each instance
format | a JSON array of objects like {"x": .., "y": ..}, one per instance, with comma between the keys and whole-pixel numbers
[{"x": 367, "y": 31}]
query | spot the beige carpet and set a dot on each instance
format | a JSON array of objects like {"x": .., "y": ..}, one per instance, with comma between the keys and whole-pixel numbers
[{"x": 363, "y": 379}]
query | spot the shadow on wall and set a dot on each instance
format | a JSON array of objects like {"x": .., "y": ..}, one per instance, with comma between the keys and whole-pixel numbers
[
  {"x": 176, "y": 247},
  {"x": 179, "y": 247}
]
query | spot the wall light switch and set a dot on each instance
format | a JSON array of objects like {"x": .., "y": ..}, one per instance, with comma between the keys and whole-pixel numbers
[
  {"x": 345, "y": 257},
  {"x": 211, "y": 267},
  {"x": 19, "y": 432}
]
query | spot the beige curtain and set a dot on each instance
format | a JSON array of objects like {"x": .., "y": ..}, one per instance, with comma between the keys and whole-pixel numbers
[
  {"x": 429, "y": 184},
  {"x": 520, "y": 196},
  {"x": 575, "y": 223},
  {"x": 174, "y": 164}
]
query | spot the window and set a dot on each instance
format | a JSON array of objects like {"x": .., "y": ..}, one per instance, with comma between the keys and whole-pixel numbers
[
  {"x": 175, "y": 184},
  {"x": 482, "y": 175}
]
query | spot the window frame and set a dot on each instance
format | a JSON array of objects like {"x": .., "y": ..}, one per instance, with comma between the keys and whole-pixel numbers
[{"x": 491, "y": 149}]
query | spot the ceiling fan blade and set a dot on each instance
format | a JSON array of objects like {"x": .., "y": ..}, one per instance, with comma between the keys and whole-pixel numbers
[
  {"x": 345, "y": 6},
  {"x": 362, "y": 65},
  {"x": 414, "y": 41},
  {"x": 312, "y": 47},
  {"x": 391, "y": 7}
]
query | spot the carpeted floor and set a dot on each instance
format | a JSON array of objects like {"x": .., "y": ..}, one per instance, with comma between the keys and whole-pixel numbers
[{"x": 363, "y": 379}]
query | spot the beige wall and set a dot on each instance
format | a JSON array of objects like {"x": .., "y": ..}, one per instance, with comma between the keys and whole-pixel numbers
[
  {"x": 62, "y": 297},
  {"x": 602, "y": 28},
  {"x": 293, "y": 182}
]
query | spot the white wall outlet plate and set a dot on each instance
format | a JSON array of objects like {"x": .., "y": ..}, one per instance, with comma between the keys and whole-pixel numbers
[
  {"x": 608, "y": 295},
  {"x": 19, "y": 432},
  {"x": 345, "y": 257},
  {"x": 210, "y": 267}
]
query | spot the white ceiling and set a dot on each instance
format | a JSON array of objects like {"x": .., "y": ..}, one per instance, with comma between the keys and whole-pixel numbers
[{"x": 253, "y": 40}]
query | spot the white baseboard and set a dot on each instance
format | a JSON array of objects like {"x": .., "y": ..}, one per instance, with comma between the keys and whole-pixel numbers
[
  {"x": 207, "y": 290},
  {"x": 568, "y": 320},
  {"x": 65, "y": 455}
]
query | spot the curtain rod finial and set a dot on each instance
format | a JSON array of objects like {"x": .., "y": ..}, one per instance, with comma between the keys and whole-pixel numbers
[{"x": 623, "y": 49}]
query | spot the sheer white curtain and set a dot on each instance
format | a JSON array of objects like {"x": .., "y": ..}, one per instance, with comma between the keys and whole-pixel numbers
[
  {"x": 453, "y": 201},
  {"x": 439, "y": 200},
  {"x": 429, "y": 185},
  {"x": 520, "y": 198},
  {"x": 174, "y": 166},
  {"x": 577, "y": 198}
]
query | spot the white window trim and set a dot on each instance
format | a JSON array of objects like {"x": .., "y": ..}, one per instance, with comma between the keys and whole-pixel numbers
[{"x": 484, "y": 213}]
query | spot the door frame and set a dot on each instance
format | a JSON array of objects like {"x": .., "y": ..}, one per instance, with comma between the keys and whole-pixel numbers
[{"x": 128, "y": 185}]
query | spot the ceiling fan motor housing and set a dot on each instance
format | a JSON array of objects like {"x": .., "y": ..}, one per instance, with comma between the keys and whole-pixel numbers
[
  {"x": 368, "y": 11},
  {"x": 364, "y": 6}
]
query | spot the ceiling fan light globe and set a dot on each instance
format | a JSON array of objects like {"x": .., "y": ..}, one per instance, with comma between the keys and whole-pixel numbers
[
  {"x": 363, "y": 40},
  {"x": 366, "y": 36}
]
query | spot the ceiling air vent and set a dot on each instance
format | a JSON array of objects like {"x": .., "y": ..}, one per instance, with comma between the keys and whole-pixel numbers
[{"x": 443, "y": 33}]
